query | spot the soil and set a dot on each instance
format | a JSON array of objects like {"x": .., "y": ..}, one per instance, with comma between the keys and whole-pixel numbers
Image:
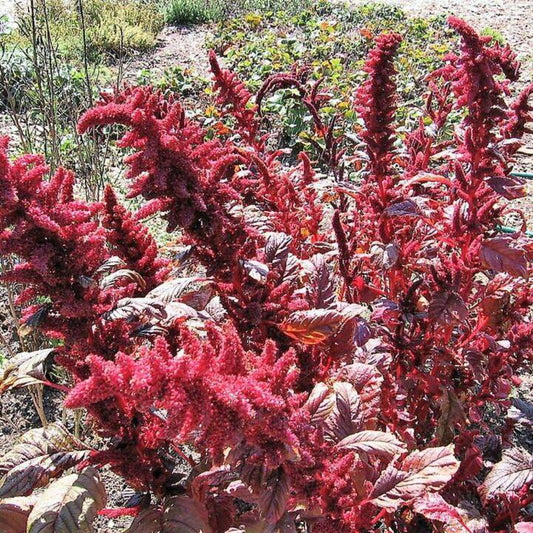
[{"x": 177, "y": 46}]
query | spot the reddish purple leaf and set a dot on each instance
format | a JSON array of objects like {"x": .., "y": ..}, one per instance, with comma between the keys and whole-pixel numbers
[
  {"x": 420, "y": 472},
  {"x": 273, "y": 500},
  {"x": 374, "y": 443},
  {"x": 499, "y": 255},
  {"x": 313, "y": 326},
  {"x": 435, "y": 508},
  {"x": 344, "y": 419},
  {"x": 447, "y": 307},
  {"x": 510, "y": 187},
  {"x": 513, "y": 472}
]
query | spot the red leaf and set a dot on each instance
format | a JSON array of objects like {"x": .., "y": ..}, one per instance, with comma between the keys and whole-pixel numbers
[
  {"x": 447, "y": 307},
  {"x": 435, "y": 508},
  {"x": 421, "y": 471},
  {"x": 344, "y": 419},
  {"x": 510, "y": 187},
  {"x": 407, "y": 208},
  {"x": 373, "y": 442},
  {"x": 313, "y": 326},
  {"x": 498, "y": 255},
  {"x": 273, "y": 500},
  {"x": 513, "y": 472}
]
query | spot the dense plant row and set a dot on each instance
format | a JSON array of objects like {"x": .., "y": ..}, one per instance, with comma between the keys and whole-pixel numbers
[
  {"x": 319, "y": 352},
  {"x": 331, "y": 40}
]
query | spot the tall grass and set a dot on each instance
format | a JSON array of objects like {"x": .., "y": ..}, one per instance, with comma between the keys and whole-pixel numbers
[{"x": 185, "y": 12}]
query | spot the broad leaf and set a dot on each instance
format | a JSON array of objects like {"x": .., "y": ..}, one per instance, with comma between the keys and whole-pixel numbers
[
  {"x": 385, "y": 256},
  {"x": 26, "y": 368},
  {"x": 177, "y": 312},
  {"x": 217, "y": 476},
  {"x": 319, "y": 283},
  {"x": 215, "y": 310},
  {"x": 313, "y": 326},
  {"x": 513, "y": 472},
  {"x": 69, "y": 505},
  {"x": 40, "y": 455},
  {"x": 510, "y": 187},
  {"x": 451, "y": 412},
  {"x": 136, "y": 308},
  {"x": 277, "y": 250},
  {"x": 255, "y": 270},
  {"x": 374, "y": 443},
  {"x": 110, "y": 264},
  {"x": 446, "y": 308},
  {"x": 344, "y": 419},
  {"x": 521, "y": 411},
  {"x": 147, "y": 521},
  {"x": 407, "y": 208},
  {"x": 435, "y": 508},
  {"x": 319, "y": 393},
  {"x": 273, "y": 500},
  {"x": 499, "y": 255},
  {"x": 123, "y": 274},
  {"x": 352, "y": 332},
  {"x": 178, "y": 514},
  {"x": 173, "y": 289},
  {"x": 367, "y": 380},
  {"x": 420, "y": 472},
  {"x": 185, "y": 515},
  {"x": 14, "y": 514}
]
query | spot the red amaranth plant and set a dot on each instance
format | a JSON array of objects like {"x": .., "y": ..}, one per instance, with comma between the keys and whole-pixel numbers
[{"x": 315, "y": 365}]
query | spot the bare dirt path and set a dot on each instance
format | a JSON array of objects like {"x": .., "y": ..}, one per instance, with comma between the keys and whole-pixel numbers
[{"x": 177, "y": 46}]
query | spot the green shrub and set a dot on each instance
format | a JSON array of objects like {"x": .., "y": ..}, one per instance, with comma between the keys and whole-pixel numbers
[
  {"x": 112, "y": 27},
  {"x": 129, "y": 25},
  {"x": 184, "y": 12}
]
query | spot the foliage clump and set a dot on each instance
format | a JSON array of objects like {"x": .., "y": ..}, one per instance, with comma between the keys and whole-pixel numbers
[
  {"x": 113, "y": 28},
  {"x": 328, "y": 350}
]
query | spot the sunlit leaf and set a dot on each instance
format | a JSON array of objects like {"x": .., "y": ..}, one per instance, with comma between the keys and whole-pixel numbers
[
  {"x": 344, "y": 419},
  {"x": 26, "y": 368},
  {"x": 137, "y": 308},
  {"x": 277, "y": 250},
  {"x": 256, "y": 270},
  {"x": 14, "y": 514},
  {"x": 123, "y": 274},
  {"x": 172, "y": 289},
  {"x": 110, "y": 264},
  {"x": 521, "y": 411},
  {"x": 373, "y": 442},
  {"x": 69, "y": 505},
  {"x": 38, "y": 456},
  {"x": 513, "y": 472},
  {"x": 499, "y": 255},
  {"x": 435, "y": 508},
  {"x": 313, "y": 326},
  {"x": 420, "y": 472}
]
